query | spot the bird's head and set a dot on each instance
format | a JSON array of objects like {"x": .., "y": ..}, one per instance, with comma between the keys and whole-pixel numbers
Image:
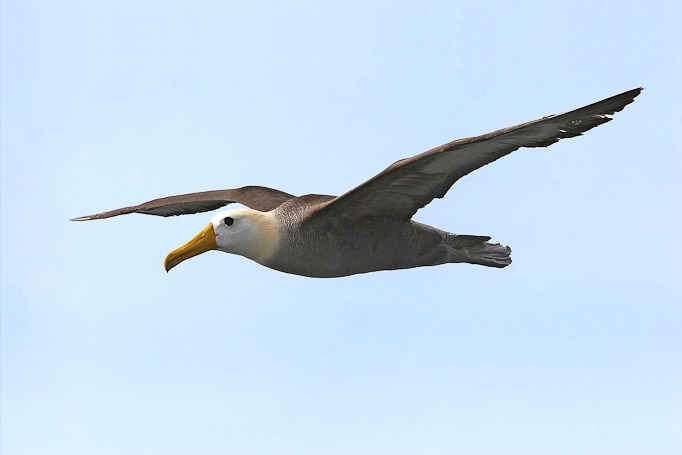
[{"x": 246, "y": 232}]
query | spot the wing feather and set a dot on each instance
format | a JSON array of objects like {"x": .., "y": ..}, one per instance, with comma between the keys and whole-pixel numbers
[
  {"x": 409, "y": 184},
  {"x": 256, "y": 197}
]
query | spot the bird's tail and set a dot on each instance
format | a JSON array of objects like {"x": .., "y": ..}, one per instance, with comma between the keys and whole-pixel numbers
[{"x": 476, "y": 249}]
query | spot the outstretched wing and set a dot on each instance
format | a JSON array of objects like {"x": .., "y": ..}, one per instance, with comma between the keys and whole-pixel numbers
[
  {"x": 255, "y": 197},
  {"x": 409, "y": 184}
]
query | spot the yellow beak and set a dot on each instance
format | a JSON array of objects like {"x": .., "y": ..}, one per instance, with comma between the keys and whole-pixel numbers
[{"x": 201, "y": 243}]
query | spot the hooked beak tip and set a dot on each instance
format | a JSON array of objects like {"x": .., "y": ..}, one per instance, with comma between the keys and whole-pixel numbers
[{"x": 202, "y": 242}]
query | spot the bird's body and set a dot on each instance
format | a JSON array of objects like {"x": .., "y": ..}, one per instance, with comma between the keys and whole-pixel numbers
[
  {"x": 332, "y": 248},
  {"x": 370, "y": 227}
]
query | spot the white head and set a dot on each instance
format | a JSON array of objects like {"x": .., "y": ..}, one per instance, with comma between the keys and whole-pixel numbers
[{"x": 246, "y": 232}]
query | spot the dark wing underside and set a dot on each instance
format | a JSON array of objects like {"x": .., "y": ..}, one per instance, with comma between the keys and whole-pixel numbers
[
  {"x": 409, "y": 184},
  {"x": 256, "y": 197}
]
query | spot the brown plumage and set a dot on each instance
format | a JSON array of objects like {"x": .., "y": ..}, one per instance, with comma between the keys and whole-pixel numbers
[{"x": 368, "y": 228}]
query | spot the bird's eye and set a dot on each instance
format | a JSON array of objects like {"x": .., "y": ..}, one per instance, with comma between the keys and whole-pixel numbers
[{"x": 229, "y": 221}]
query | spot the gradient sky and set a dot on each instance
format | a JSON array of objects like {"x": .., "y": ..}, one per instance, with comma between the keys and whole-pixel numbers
[{"x": 576, "y": 348}]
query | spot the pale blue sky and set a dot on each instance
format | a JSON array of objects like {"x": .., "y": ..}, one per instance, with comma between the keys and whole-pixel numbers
[{"x": 573, "y": 349}]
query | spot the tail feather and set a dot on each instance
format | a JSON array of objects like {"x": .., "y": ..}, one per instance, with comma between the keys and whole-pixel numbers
[
  {"x": 463, "y": 241},
  {"x": 489, "y": 254}
]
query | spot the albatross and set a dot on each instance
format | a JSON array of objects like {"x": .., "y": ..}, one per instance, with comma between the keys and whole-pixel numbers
[{"x": 369, "y": 228}]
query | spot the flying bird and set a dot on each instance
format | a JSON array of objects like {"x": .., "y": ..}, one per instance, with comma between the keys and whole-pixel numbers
[{"x": 370, "y": 227}]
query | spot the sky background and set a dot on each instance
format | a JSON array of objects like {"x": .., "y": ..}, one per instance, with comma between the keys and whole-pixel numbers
[{"x": 576, "y": 348}]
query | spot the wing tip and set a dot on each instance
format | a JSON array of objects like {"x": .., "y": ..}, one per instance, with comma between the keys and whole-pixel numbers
[
  {"x": 82, "y": 218},
  {"x": 96, "y": 216},
  {"x": 635, "y": 92},
  {"x": 620, "y": 101}
]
